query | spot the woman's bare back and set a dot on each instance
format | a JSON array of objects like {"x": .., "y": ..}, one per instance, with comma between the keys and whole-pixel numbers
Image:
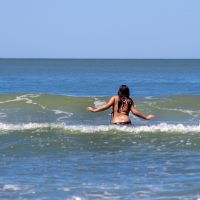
[{"x": 120, "y": 115}]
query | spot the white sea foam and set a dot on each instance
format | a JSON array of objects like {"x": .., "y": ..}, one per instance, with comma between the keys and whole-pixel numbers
[
  {"x": 194, "y": 113},
  {"x": 66, "y": 189},
  {"x": 2, "y": 115},
  {"x": 162, "y": 127},
  {"x": 25, "y": 97},
  {"x": 190, "y": 112},
  {"x": 63, "y": 115},
  {"x": 58, "y": 112},
  {"x": 11, "y": 187},
  {"x": 98, "y": 102},
  {"x": 149, "y": 97},
  {"x": 76, "y": 198}
]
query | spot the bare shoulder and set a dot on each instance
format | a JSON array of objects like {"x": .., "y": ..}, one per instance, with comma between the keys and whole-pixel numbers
[{"x": 115, "y": 98}]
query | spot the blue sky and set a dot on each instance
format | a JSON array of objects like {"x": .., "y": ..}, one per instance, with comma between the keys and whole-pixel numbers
[{"x": 100, "y": 28}]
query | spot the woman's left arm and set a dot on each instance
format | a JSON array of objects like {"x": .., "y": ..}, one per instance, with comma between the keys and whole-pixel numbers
[{"x": 138, "y": 114}]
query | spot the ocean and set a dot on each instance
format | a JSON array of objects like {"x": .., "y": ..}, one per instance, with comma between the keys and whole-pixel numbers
[{"x": 52, "y": 148}]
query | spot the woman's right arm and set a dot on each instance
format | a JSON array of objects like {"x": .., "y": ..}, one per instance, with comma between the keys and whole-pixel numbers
[
  {"x": 103, "y": 107},
  {"x": 140, "y": 115}
]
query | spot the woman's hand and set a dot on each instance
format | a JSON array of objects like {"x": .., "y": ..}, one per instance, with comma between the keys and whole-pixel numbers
[
  {"x": 148, "y": 117},
  {"x": 90, "y": 109}
]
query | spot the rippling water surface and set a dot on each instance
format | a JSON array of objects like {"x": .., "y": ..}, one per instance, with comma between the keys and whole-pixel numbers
[{"x": 52, "y": 148}]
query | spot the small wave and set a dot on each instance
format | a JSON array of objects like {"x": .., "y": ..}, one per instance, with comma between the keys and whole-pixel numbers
[{"x": 162, "y": 127}]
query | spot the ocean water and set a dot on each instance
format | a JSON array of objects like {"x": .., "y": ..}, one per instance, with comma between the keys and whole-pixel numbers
[{"x": 52, "y": 148}]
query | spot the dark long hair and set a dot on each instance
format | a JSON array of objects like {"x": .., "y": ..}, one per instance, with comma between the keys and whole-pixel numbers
[{"x": 124, "y": 94}]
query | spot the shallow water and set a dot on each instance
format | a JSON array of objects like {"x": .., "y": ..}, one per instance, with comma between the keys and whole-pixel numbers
[{"x": 60, "y": 163}]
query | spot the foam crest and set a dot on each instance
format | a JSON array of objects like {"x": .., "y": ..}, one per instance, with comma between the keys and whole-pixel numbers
[
  {"x": 11, "y": 187},
  {"x": 25, "y": 97},
  {"x": 162, "y": 127}
]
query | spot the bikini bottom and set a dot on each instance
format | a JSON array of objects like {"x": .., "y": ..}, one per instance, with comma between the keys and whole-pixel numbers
[{"x": 123, "y": 123}]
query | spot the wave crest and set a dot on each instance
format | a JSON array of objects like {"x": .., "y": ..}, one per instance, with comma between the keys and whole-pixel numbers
[{"x": 162, "y": 127}]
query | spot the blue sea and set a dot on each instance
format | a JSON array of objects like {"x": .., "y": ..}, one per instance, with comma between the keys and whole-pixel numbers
[{"x": 52, "y": 148}]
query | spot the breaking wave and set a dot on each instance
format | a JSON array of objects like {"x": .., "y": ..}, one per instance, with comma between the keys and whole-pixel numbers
[{"x": 162, "y": 127}]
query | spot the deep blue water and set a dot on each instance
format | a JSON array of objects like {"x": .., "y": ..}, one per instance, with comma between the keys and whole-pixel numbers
[{"x": 100, "y": 77}]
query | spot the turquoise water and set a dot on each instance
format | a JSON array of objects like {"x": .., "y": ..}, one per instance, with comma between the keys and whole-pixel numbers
[{"x": 52, "y": 148}]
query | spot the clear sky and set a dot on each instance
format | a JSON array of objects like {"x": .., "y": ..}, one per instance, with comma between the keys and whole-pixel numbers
[{"x": 100, "y": 28}]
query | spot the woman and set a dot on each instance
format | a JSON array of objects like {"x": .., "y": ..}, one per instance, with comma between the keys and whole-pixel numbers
[{"x": 121, "y": 105}]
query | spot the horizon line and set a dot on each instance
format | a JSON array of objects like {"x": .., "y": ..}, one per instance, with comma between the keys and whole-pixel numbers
[{"x": 101, "y": 58}]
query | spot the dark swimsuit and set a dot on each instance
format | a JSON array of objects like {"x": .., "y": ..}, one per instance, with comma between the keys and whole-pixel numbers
[
  {"x": 120, "y": 123},
  {"x": 123, "y": 123}
]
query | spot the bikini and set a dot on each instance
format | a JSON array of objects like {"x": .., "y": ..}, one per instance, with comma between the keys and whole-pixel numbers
[
  {"x": 123, "y": 123},
  {"x": 120, "y": 123}
]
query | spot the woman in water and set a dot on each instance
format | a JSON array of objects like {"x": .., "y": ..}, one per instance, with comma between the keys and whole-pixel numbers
[{"x": 121, "y": 105}]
